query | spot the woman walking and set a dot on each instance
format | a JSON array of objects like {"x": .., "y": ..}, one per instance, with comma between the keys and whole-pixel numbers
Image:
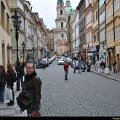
[
  {"x": 2, "y": 83},
  {"x": 10, "y": 82}
]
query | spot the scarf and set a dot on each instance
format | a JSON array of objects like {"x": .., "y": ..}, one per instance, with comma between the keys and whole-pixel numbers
[{"x": 29, "y": 77}]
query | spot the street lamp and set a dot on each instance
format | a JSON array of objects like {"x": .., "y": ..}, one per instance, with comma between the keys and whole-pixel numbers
[
  {"x": 23, "y": 47},
  {"x": 16, "y": 23},
  {"x": 33, "y": 50}
]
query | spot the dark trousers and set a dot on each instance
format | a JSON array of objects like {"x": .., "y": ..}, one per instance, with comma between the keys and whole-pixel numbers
[
  {"x": 114, "y": 69},
  {"x": 2, "y": 91},
  {"x": 21, "y": 80},
  {"x": 13, "y": 94},
  {"x": 75, "y": 70},
  {"x": 66, "y": 74}
]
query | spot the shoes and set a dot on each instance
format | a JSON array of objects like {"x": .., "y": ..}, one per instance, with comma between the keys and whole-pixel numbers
[{"x": 11, "y": 103}]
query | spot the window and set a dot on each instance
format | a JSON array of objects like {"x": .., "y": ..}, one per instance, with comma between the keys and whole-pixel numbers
[
  {"x": 2, "y": 14},
  {"x": 7, "y": 23},
  {"x": 61, "y": 12},
  {"x": 62, "y": 24},
  {"x": 62, "y": 35}
]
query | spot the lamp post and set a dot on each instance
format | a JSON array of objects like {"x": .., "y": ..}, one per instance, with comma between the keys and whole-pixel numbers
[
  {"x": 23, "y": 47},
  {"x": 33, "y": 50},
  {"x": 16, "y": 23}
]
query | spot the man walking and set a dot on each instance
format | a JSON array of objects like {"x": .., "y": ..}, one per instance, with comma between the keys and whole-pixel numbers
[
  {"x": 32, "y": 85},
  {"x": 66, "y": 66},
  {"x": 74, "y": 66},
  {"x": 114, "y": 67},
  {"x": 79, "y": 67}
]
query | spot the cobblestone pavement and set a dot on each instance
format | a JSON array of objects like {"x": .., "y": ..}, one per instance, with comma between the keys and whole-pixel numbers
[{"x": 85, "y": 94}]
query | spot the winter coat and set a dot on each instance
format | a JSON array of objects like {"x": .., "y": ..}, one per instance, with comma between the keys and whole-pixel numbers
[
  {"x": 10, "y": 82},
  {"x": 66, "y": 66},
  {"x": 32, "y": 85},
  {"x": 3, "y": 78}
]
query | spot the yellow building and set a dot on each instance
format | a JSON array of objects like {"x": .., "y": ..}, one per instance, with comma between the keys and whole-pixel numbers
[
  {"x": 5, "y": 39},
  {"x": 113, "y": 32}
]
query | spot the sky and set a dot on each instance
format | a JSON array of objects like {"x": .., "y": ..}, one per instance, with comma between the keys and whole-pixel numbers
[{"x": 47, "y": 10}]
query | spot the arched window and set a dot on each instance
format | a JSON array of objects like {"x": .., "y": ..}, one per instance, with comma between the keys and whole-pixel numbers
[
  {"x": 62, "y": 24},
  {"x": 61, "y": 12}
]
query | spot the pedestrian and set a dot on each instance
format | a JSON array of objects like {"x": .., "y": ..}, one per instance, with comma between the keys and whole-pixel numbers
[
  {"x": 114, "y": 67},
  {"x": 21, "y": 72},
  {"x": 66, "y": 67},
  {"x": 83, "y": 67},
  {"x": 79, "y": 67},
  {"x": 102, "y": 66},
  {"x": 10, "y": 82},
  {"x": 32, "y": 85},
  {"x": 74, "y": 66},
  {"x": 3, "y": 79}
]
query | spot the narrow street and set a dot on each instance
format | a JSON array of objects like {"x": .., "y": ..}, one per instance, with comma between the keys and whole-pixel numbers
[{"x": 85, "y": 94}]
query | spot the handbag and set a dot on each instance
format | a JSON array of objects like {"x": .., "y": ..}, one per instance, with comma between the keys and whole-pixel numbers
[
  {"x": 9, "y": 94},
  {"x": 24, "y": 100}
]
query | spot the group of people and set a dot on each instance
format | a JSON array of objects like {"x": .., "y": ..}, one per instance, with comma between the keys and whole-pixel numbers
[
  {"x": 81, "y": 66},
  {"x": 6, "y": 79},
  {"x": 31, "y": 84},
  {"x": 101, "y": 65}
]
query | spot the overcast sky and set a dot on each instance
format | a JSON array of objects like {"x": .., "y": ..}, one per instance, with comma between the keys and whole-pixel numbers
[{"x": 47, "y": 10}]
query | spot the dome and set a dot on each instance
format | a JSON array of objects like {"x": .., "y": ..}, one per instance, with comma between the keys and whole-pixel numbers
[
  {"x": 68, "y": 10},
  {"x": 60, "y": 1}
]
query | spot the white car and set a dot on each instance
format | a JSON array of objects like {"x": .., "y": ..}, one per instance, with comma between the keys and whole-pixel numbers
[{"x": 61, "y": 62}]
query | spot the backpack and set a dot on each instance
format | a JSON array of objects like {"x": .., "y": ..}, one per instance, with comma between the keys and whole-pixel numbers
[
  {"x": 14, "y": 76},
  {"x": 23, "y": 100}
]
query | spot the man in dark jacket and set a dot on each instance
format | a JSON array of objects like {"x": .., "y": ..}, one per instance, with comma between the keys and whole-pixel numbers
[
  {"x": 32, "y": 85},
  {"x": 3, "y": 79}
]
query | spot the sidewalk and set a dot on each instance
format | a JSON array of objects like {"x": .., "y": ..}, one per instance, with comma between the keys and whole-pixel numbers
[
  {"x": 112, "y": 76},
  {"x": 11, "y": 111}
]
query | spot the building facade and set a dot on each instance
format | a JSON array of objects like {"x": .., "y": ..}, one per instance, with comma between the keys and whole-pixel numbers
[
  {"x": 70, "y": 34},
  {"x": 88, "y": 29},
  {"x": 95, "y": 32},
  {"x": 113, "y": 32},
  {"x": 5, "y": 38},
  {"x": 82, "y": 37}
]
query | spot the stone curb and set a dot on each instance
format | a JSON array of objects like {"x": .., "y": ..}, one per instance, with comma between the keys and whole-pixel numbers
[{"x": 115, "y": 79}]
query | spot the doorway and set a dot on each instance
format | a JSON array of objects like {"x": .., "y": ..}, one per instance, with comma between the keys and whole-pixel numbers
[{"x": 3, "y": 55}]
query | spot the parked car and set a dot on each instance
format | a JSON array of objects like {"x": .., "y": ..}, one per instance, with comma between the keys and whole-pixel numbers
[
  {"x": 60, "y": 61},
  {"x": 40, "y": 64}
]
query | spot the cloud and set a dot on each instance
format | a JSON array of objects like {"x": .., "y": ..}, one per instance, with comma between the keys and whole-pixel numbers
[{"x": 47, "y": 10}]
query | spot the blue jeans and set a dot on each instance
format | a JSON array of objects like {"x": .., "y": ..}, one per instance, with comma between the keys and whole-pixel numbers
[
  {"x": 2, "y": 91},
  {"x": 66, "y": 74},
  {"x": 79, "y": 70}
]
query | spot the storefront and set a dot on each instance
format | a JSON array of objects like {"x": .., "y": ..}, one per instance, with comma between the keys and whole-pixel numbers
[{"x": 118, "y": 57}]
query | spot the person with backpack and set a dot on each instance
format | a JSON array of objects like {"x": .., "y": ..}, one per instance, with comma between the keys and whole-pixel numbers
[
  {"x": 11, "y": 78},
  {"x": 29, "y": 98},
  {"x": 2, "y": 83}
]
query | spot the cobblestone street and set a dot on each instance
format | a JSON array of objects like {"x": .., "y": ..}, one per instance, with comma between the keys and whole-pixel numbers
[{"x": 85, "y": 94}]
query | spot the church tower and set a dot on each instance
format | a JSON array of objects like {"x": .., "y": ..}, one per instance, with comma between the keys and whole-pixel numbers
[{"x": 61, "y": 33}]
